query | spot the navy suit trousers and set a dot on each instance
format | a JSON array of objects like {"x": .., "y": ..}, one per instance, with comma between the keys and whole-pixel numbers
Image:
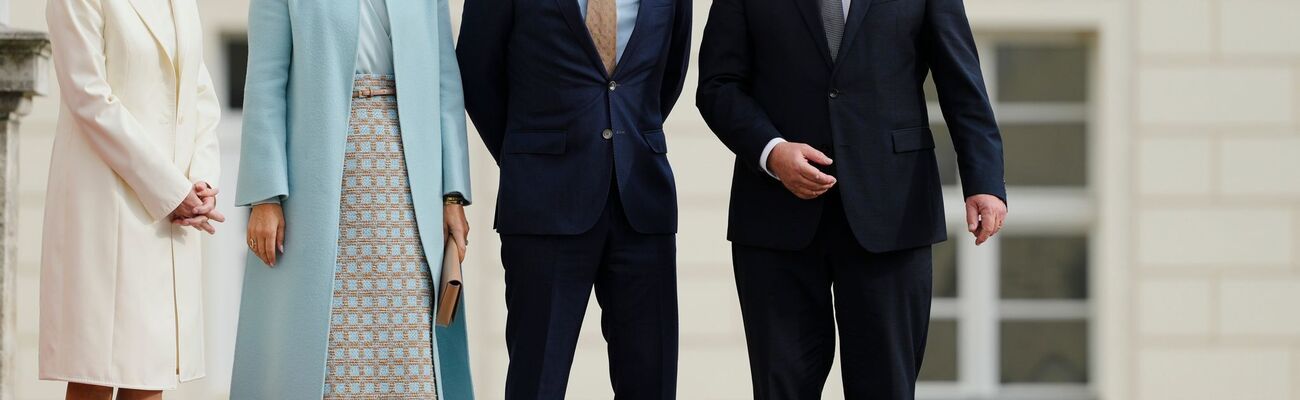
[
  {"x": 792, "y": 302},
  {"x": 549, "y": 279}
]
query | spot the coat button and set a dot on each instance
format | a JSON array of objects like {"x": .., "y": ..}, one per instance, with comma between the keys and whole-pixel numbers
[
  {"x": 613, "y": 85},
  {"x": 835, "y": 93},
  {"x": 607, "y": 134}
]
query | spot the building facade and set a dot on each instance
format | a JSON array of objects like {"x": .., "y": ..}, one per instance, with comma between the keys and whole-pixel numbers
[{"x": 1152, "y": 250}]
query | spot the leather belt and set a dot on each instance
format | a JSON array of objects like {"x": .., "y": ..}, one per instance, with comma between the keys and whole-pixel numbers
[{"x": 368, "y": 92}]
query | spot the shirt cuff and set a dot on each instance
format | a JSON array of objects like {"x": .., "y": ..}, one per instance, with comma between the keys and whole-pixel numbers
[{"x": 767, "y": 151}]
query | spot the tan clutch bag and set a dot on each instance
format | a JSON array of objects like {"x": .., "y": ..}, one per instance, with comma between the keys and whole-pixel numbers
[{"x": 450, "y": 285}]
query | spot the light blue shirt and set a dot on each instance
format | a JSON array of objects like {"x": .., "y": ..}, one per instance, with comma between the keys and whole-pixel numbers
[{"x": 627, "y": 10}]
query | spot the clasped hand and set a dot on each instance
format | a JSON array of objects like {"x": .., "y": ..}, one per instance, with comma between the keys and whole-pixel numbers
[{"x": 199, "y": 209}]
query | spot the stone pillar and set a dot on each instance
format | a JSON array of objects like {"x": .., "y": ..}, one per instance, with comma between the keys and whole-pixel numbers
[{"x": 23, "y": 68}]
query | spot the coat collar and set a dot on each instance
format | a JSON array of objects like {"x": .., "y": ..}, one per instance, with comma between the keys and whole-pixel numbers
[
  {"x": 153, "y": 18},
  {"x": 186, "y": 34}
]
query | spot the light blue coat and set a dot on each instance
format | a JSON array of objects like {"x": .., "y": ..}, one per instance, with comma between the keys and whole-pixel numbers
[{"x": 297, "y": 100}]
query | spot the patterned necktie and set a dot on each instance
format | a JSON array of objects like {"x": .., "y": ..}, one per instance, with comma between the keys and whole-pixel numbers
[
  {"x": 602, "y": 22},
  {"x": 833, "y": 20}
]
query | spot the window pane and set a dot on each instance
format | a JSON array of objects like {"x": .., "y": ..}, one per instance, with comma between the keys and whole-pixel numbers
[
  {"x": 943, "y": 151},
  {"x": 945, "y": 269},
  {"x": 940, "y": 363},
  {"x": 1044, "y": 352},
  {"x": 1045, "y": 72},
  {"x": 1044, "y": 267},
  {"x": 1045, "y": 154},
  {"x": 236, "y": 57}
]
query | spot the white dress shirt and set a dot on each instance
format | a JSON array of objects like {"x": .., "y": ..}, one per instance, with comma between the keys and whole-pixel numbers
[{"x": 767, "y": 150}]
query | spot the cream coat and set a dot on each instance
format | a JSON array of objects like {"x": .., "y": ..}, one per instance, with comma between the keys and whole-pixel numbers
[{"x": 120, "y": 285}]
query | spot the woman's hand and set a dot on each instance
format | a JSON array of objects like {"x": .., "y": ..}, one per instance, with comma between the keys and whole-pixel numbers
[
  {"x": 202, "y": 215},
  {"x": 266, "y": 232},
  {"x": 455, "y": 226},
  {"x": 188, "y": 206}
]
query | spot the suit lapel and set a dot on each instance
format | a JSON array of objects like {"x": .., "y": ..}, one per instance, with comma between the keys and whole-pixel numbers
[
  {"x": 857, "y": 14},
  {"x": 812, "y": 17},
  {"x": 569, "y": 8},
  {"x": 152, "y": 18}
]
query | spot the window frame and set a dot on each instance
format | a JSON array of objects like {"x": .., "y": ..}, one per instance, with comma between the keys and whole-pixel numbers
[{"x": 1039, "y": 210}]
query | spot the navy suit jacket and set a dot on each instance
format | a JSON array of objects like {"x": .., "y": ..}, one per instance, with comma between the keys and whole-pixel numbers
[
  {"x": 766, "y": 72},
  {"x": 542, "y": 102}
]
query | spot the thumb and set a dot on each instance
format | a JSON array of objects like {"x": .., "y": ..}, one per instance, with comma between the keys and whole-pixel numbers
[
  {"x": 279, "y": 239},
  {"x": 814, "y": 155},
  {"x": 216, "y": 216},
  {"x": 972, "y": 217},
  {"x": 459, "y": 236}
]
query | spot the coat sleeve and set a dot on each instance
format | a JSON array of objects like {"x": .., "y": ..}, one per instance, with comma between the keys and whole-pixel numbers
[
  {"x": 263, "y": 163},
  {"x": 205, "y": 166},
  {"x": 484, "y": 37},
  {"x": 724, "y": 99},
  {"x": 111, "y": 130},
  {"x": 455, "y": 149},
  {"x": 955, "y": 66},
  {"x": 679, "y": 57}
]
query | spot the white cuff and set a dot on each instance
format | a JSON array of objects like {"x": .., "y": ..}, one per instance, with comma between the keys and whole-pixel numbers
[{"x": 767, "y": 150}]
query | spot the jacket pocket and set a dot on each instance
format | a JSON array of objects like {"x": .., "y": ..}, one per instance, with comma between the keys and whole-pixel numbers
[
  {"x": 535, "y": 142},
  {"x": 912, "y": 139},
  {"x": 656, "y": 140}
]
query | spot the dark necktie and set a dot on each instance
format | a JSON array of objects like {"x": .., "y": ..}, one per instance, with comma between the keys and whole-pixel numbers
[{"x": 833, "y": 20}]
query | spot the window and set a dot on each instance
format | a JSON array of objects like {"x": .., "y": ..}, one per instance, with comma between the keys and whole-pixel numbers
[
  {"x": 235, "y": 48},
  {"x": 1011, "y": 319}
]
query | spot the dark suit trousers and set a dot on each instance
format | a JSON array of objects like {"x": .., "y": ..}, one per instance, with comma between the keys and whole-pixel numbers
[
  {"x": 793, "y": 300},
  {"x": 549, "y": 279}
]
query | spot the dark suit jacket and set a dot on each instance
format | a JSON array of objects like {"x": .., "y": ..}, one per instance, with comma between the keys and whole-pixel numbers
[
  {"x": 766, "y": 72},
  {"x": 542, "y": 101}
]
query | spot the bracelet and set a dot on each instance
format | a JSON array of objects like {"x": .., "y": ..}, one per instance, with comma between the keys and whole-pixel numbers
[{"x": 453, "y": 199}]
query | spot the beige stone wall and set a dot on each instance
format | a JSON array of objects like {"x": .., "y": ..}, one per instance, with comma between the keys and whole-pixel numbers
[{"x": 1216, "y": 266}]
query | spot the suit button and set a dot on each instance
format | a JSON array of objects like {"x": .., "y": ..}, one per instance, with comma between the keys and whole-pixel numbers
[
  {"x": 835, "y": 93},
  {"x": 613, "y": 85},
  {"x": 607, "y": 134}
]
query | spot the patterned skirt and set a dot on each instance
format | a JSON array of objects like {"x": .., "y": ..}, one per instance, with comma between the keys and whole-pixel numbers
[{"x": 380, "y": 337}]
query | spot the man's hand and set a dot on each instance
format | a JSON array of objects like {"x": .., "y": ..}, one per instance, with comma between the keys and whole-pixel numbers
[
  {"x": 790, "y": 163},
  {"x": 984, "y": 216}
]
